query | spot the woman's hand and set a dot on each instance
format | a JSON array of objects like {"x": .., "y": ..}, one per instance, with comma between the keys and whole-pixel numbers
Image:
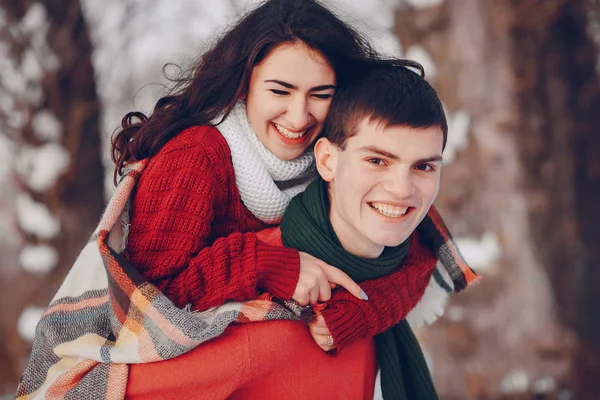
[
  {"x": 318, "y": 278},
  {"x": 320, "y": 334}
]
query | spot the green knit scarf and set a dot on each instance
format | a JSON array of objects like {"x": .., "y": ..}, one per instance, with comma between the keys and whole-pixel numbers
[{"x": 305, "y": 226}]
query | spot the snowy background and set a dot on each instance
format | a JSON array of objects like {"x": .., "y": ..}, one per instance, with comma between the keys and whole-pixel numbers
[{"x": 132, "y": 41}]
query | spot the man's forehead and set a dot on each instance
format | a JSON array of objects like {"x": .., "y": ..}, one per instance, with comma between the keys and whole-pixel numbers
[{"x": 391, "y": 141}]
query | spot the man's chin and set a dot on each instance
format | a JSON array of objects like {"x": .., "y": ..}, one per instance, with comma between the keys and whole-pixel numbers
[{"x": 391, "y": 242}]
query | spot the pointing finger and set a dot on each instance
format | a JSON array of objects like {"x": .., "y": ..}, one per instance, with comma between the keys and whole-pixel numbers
[{"x": 335, "y": 275}]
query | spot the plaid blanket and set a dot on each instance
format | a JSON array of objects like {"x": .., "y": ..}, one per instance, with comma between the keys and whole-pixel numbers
[{"x": 106, "y": 315}]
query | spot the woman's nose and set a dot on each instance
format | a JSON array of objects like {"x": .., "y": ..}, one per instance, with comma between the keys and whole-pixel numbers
[{"x": 298, "y": 114}]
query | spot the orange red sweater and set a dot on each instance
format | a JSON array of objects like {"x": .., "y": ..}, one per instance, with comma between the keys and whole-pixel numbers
[
  {"x": 259, "y": 360},
  {"x": 192, "y": 237}
]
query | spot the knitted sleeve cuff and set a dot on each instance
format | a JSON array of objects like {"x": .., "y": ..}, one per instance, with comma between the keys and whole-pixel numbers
[
  {"x": 278, "y": 270},
  {"x": 345, "y": 325}
]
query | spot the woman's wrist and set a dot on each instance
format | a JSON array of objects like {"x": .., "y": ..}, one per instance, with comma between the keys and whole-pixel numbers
[{"x": 278, "y": 269}]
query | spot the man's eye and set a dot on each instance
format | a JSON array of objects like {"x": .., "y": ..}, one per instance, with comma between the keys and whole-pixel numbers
[
  {"x": 376, "y": 161},
  {"x": 323, "y": 96},
  {"x": 279, "y": 92},
  {"x": 426, "y": 167}
]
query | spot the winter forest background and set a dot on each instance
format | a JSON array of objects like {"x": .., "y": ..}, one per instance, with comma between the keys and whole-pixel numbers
[{"x": 521, "y": 188}]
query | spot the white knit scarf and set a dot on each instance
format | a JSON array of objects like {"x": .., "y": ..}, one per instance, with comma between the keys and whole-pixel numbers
[{"x": 266, "y": 183}]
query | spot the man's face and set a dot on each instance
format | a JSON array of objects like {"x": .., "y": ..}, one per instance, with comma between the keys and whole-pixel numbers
[{"x": 383, "y": 184}]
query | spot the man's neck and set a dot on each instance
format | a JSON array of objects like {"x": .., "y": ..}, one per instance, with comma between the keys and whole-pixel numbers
[{"x": 353, "y": 242}]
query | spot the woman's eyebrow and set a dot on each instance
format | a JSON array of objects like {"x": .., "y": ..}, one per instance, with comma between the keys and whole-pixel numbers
[
  {"x": 322, "y": 87},
  {"x": 290, "y": 86}
]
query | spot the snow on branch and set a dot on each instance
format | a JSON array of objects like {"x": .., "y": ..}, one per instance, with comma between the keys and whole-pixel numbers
[
  {"x": 424, "y": 3},
  {"x": 40, "y": 167},
  {"x": 35, "y": 218},
  {"x": 46, "y": 126},
  {"x": 28, "y": 321},
  {"x": 459, "y": 123},
  {"x": 39, "y": 258}
]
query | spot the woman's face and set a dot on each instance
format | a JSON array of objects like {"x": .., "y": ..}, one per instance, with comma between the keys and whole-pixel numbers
[{"x": 288, "y": 98}]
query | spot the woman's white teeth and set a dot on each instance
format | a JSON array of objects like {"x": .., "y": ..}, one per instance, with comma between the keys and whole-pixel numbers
[
  {"x": 289, "y": 134},
  {"x": 389, "y": 210}
]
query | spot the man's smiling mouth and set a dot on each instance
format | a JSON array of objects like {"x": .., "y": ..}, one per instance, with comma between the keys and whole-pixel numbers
[{"x": 389, "y": 210}]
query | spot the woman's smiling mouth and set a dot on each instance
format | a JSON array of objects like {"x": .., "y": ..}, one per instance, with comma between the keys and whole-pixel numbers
[{"x": 286, "y": 133}]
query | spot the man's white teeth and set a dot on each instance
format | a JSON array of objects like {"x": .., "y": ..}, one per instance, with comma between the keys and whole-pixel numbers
[
  {"x": 389, "y": 210},
  {"x": 288, "y": 134}
]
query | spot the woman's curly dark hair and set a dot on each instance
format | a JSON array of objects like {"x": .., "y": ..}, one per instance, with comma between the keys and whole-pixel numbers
[{"x": 221, "y": 77}]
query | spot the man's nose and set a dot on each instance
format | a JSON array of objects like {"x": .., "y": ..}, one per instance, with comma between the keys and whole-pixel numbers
[{"x": 400, "y": 184}]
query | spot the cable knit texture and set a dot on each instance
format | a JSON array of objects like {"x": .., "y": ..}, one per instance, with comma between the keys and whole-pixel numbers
[
  {"x": 259, "y": 173},
  {"x": 390, "y": 298},
  {"x": 191, "y": 235}
]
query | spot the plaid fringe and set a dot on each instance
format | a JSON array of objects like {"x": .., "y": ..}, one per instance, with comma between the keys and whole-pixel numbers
[{"x": 437, "y": 237}]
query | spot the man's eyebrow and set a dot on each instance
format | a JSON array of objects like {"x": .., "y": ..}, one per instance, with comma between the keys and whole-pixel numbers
[
  {"x": 392, "y": 156},
  {"x": 290, "y": 86},
  {"x": 430, "y": 159},
  {"x": 376, "y": 150}
]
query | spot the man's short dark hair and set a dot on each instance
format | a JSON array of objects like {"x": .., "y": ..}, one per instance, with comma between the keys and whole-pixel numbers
[{"x": 391, "y": 94}]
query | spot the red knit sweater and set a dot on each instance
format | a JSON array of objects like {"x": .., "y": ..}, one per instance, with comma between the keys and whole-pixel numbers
[
  {"x": 390, "y": 298},
  {"x": 191, "y": 235},
  {"x": 193, "y": 238}
]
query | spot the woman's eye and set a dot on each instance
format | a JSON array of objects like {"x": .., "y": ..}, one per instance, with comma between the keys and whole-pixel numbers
[
  {"x": 376, "y": 161},
  {"x": 323, "y": 96},
  {"x": 279, "y": 92}
]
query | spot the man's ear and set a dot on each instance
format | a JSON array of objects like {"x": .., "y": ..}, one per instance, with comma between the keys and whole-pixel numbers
[{"x": 326, "y": 154}]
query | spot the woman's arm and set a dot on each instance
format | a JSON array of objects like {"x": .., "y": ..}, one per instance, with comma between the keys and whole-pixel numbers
[
  {"x": 237, "y": 267},
  {"x": 390, "y": 299},
  {"x": 172, "y": 239}
]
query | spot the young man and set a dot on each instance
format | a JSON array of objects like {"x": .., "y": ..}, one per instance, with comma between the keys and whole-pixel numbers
[
  {"x": 380, "y": 166},
  {"x": 381, "y": 161}
]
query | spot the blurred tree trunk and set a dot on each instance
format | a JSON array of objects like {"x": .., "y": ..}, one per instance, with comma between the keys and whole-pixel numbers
[
  {"x": 524, "y": 73},
  {"x": 560, "y": 85},
  {"x": 54, "y": 111}
]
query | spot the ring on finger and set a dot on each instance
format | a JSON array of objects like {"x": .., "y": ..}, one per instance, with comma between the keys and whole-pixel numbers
[{"x": 329, "y": 341}]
